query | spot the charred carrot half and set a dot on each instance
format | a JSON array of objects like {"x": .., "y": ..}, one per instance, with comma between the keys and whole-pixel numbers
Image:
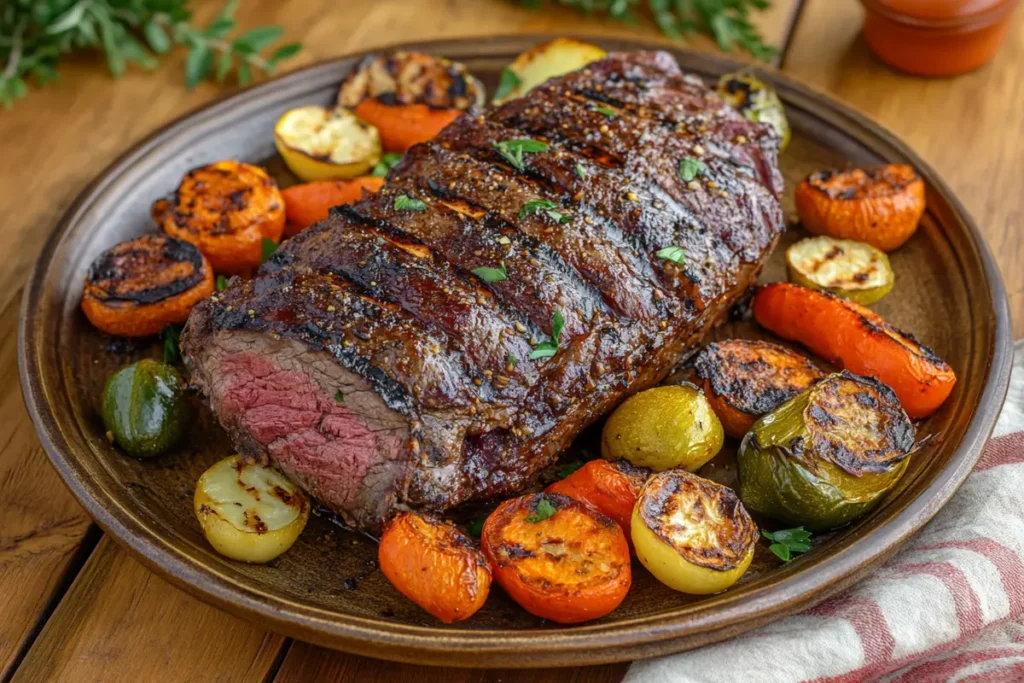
[
  {"x": 881, "y": 206},
  {"x": 557, "y": 557},
  {"x": 609, "y": 487},
  {"x": 403, "y": 125},
  {"x": 308, "y": 204},
  {"x": 435, "y": 565},
  {"x": 140, "y": 286},
  {"x": 859, "y": 340},
  {"x": 226, "y": 209}
]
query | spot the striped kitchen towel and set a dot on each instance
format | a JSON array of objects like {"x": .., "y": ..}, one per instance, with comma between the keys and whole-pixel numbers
[{"x": 949, "y": 606}]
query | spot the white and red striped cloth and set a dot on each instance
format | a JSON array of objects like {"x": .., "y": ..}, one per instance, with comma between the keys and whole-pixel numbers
[{"x": 948, "y": 607}]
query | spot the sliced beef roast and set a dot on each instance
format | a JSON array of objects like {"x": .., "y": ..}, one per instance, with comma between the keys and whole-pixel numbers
[{"x": 375, "y": 364}]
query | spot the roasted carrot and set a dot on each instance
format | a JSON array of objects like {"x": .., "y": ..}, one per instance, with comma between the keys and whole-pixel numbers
[
  {"x": 309, "y": 203},
  {"x": 226, "y": 209},
  {"x": 859, "y": 340},
  {"x": 881, "y": 206},
  {"x": 609, "y": 487},
  {"x": 435, "y": 565},
  {"x": 557, "y": 557},
  {"x": 403, "y": 125},
  {"x": 746, "y": 379},
  {"x": 139, "y": 286}
]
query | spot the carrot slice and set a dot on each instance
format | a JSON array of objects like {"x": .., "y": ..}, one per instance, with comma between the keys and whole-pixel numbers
[
  {"x": 403, "y": 125},
  {"x": 435, "y": 565},
  {"x": 308, "y": 204},
  {"x": 139, "y": 286},
  {"x": 558, "y": 558},
  {"x": 859, "y": 340},
  {"x": 609, "y": 487}
]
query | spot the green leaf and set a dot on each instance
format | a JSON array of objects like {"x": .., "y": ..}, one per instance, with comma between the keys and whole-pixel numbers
[
  {"x": 339, "y": 396},
  {"x": 512, "y": 150},
  {"x": 407, "y": 203},
  {"x": 607, "y": 111},
  {"x": 171, "y": 335},
  {"x": 549, "y": 348},
  {"x": 581, "y": 172},
  {"x": 491, "y": 274},
  {"x": 787, "y": 542},
  {"x": 672, "y": 253},
  {"x": 267, "y": 249},
  {"x": 386, "y": 163},
  {"x": 285, "y": 52},
  {"x": 781, "y": 551},
  {"x": 157, "y": 37},
  {"x": 557, "y": 323},
  {"x": 219, "y": 27},
  {"x": 197, "y": 65},
  {"x": 476, "y": 527},
  {"x": 221, "y": 283},
  {"x": 256, "y": 39},
  {"x": 244, "y": 74},
  {"x": 509, "y": 82},
  {"x": 225, "y": 60},
  {"x": 690, "y": 168},
  {"x": 230, "y": 8},
  {"x": 545, "y": 207},
  {"x": 544, "y": 510}
]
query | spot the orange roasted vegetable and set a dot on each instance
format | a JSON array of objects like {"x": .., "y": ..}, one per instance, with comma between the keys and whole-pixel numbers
[
  {"x": 435, "y": 565},
  {"x": 609, "y": 487},
  {"x": 403, "y": 125},
  {"x": 308, "y": 204},
  {"x": 226, "y": 209},
  {"x": 859, "y": 340},
  {"x": 746, "y": 379},
  {"x": 557, "y": 557},
  {"x": 139, "y": 286},
  {"x": 881, "y": 206}
]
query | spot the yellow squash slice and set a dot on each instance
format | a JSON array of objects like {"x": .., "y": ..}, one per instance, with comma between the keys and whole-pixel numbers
[
  {"x": 853, "y": 270},
  {"x": 326, "y": 144}
]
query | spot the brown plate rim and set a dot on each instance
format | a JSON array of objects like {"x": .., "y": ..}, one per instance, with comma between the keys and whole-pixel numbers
[{"x": 623, "y": 640}]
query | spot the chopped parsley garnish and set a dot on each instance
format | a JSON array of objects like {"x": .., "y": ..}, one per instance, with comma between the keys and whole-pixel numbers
[
  {"x": 476, "y": 526},
  {"x": 690, "y": 168},
  {"x": 509, "y": 82},
  {"x": 549, "y": 348},
  {"x": 512, "y": 150},
  {"x": 267, "y": 249},
  {"x": 787, "y": 542},
  {"x": 491, "y": 274},
  {"x": 672, "y": 253},
  {"x": 171, "y": 334},
  {"x": 567, "y": 468},
  {"x": 544, "y": 510},
  {"x": 406, "y": 203},
  {"x": 339, "y": 396},
  {"x": 384, "y": 165},
  {"x": 607, "y": 111},
  {"x": 221, "y": 283},
  {"x": 545, "y": 207},
  {"x": 581, "y": 172}
]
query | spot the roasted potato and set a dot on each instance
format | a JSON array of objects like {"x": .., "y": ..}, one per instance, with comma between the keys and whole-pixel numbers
[
  {"x": 852, "y": 270},
  {"x": 556, "y": 557},
  {"x": 249, "y": 512},
  {"x": 546, "y": 61},
  {"x": 664, "y": 427},
  {"x": 610, "y": 488},
  {"x": 881, "y": 206},
  {"x": 693, "y": 534},
  {"x": 745, "y": 379},
  {"x": 140, "y": 286},
  {"x": 326, "y": 144},
  {"x": 144, "y": 408},
  {"x": 435, "y": 565},
  {"x": 403, "y": 78},
  {"x": 756, "y": 101},
  {"x": 828, "y": 455},
  {"x": 227, "y": 209}
]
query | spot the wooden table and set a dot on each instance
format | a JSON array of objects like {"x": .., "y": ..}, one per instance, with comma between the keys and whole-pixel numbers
[{"x": 75, "y": 606}]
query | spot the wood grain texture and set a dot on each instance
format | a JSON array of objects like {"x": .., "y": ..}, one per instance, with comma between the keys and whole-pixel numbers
[
  {"x": 970, "y": 128},
  {"x": 119, "y": 622}
]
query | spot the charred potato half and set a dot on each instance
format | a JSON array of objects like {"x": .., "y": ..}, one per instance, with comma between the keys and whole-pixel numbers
[
  {"x": 411, "y": 78},
  {"x": 546, "y": 61},
  {"x": 326, "y": 144},
  {"x": 853, "y": 270},
  {"x": 693, "y": 534},
  {"x": 745, "y": 379},
  {"x": 828, "y": 455}
]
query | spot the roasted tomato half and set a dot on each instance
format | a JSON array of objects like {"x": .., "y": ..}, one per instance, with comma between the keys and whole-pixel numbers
[
  {"x": 609, "y": 487},
  {"x": 745, "y": 379},
  {"x": 828, "y": 455},
  {"x": 557, "y": 557},
  {"x": 693, "y": 534}
]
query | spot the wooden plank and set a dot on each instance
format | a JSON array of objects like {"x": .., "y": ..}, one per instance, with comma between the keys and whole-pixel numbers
[
  {"x": 970, "y": 128},
  {"x": 119, "y": 622},
  {"x": 310, "y": 664}
]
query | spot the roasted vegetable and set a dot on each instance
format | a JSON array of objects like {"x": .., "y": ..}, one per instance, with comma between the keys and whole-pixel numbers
[
  {"x": 756, "y": 101},
  {"x": 309, "y": 203},
  {"x": 411, "y": 78},
  {"x": 859, "y": 340},
  {"x": 227, "y": 209},
  {"x": 828, "y": 455},
  {"x": 144, "y": 408},
  {"x": 693, "y": 534},
  {"x": 249, "y": 512},
  {"x": 881, "y": 206},
  {"x": 852, "y": 270},
  {"x": 609, "y": 487},
  {"x": 545, "y": 61},
  {"x": 745, "y": 379},
  {"x": 558, "y": 558},
  {"x": 403, "y": 125},
  {"x": 326, "y": 144},
  {"x": 664, "y": 427},
  {"x": 140, "y": 286},
  {"x": 435, "y": 565}
]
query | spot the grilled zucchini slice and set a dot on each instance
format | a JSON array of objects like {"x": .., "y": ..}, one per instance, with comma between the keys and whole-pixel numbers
[
  {"x": 853, "y": 270},
  {"x": 756, "y": 101},
  {"x": 547, "y": 60},
  {"x": 326, "y": 144}
]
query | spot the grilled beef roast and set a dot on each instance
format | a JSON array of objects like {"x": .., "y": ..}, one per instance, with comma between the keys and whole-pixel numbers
[{"x": 374, "y": 367}]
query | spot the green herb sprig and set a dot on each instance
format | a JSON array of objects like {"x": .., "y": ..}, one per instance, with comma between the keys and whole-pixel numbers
[
  {"x": 512, "y": 150},
  {"x": 267, "y": 249},
  {"x": 672, "y": 253},
  {"x": 543, "y": 207},
  {"x": 549, "y": 348},
  {"x": 787, "y": 542},
  {"x": 545, "y": 509},
  {"x": 404, "y": 202},
  {"x": 171, "y": 335},
  {"x": 491, "y": 274},
  {"x": 509, "y": 82},
  {"x": 387, "y": 161},
  {"x": 690, "y": 168}
]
